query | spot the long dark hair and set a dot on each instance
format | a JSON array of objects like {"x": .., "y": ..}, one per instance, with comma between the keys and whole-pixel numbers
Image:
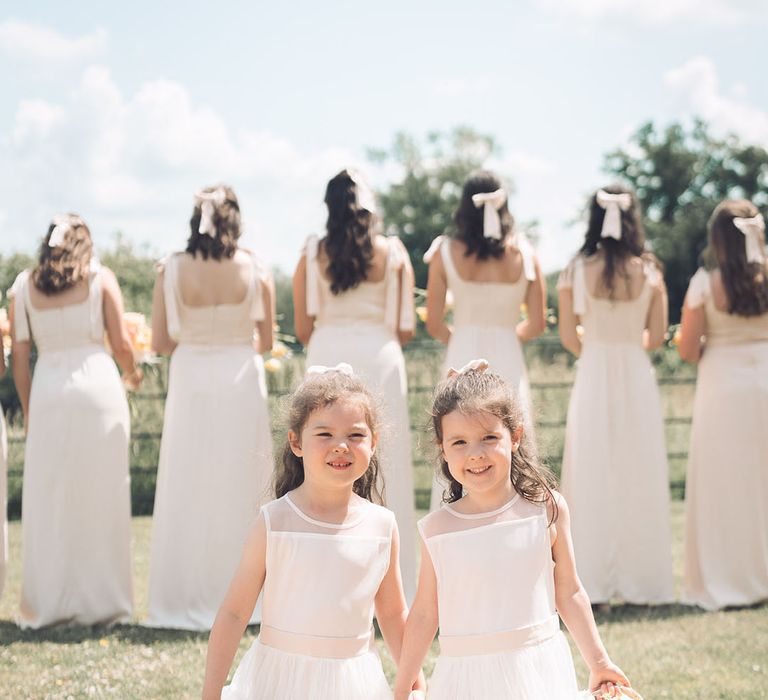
[
  {"x": 62, "y": 266},
  {"x": 318, "y": 391},
  {"x": 616, "y": 253},
  {"x": 469, "y": 218},
  {"x": 484, "y": 392},
  {"x": 746, "y": 283},
  {"x": 226, "y": 219},
  {"x": 349, "y": 234}
]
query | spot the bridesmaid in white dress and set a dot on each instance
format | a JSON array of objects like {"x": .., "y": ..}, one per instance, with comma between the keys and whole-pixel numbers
[
  {"x": 491, "y": 271},
  {"x": 76, "y": 500},
  {"x": 353, "y": 303},
  {"x": 615, "y": 474},
  {"x": 213, "y": 312},
  {"x": 726, "y": 497},
  {"x": 3, "y": 480}
]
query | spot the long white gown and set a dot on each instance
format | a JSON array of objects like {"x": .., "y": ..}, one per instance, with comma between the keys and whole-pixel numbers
[
  {"x": 3, "y": 500},
  {"x": 499, "y": 630},
  {"x": 76, "y": 499},
  {"x": 216, "y": 457},
  {"x": 726, "y": 494},
  {"x": 358, "y": 327},
  {"x": 316, "y": 640},
  {"x": 615, "y": 474},
  {"x": 485, "y": 317}
]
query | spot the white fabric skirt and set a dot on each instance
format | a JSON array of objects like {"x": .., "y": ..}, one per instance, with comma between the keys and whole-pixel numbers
[
  {"x": 538, "y": 672},
  {"x": 3, "y": 500},
  {"x": 266, "y": 673}
]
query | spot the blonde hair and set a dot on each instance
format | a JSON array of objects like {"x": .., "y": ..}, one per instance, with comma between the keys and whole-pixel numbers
[{"x": 63, "y": 266}]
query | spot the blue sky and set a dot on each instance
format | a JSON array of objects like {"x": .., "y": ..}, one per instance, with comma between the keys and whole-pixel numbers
[{"x": 121, "y": 111}]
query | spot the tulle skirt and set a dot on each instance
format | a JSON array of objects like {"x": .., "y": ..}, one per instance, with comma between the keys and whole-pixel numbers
[
  {"x": 266, "y": 673},
  {"x": 540, "y": 672}
]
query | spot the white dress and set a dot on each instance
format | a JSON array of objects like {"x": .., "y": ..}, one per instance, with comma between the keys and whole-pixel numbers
[
  {"x": 358, "y": 327},
  {"x": 3, "y": 499},
  {"x": 485, "y": 317},
  {"x": 726, "y": 494},
  {"x": 76, "y": 498},
  {"x": 316, "y": 639},
  {"x": 615, "y": 475},
  {"x": 500, "y": 636},
  {"x": 216, "y": 457}
]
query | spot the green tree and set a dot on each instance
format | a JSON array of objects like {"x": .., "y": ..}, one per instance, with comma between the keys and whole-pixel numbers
[
  {"x": 421, "y": 205},
  {"x": 680, "y": 174},
  {"x": 135, "y": 271}
]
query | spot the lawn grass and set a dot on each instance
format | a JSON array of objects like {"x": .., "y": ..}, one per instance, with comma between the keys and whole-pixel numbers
[{"x": 670, "y": 651}]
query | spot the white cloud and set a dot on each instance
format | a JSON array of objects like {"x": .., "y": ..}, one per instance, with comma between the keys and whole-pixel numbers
[
  {"x": 516, "y": 163},
  {"x": 652, "y": 11},
  {"x": 696, "y": 86},
  {"x": 33, "y": 42},
  {"x": 132, "y": 163}
]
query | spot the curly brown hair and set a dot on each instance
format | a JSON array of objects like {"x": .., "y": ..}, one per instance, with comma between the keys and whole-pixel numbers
[
  {"x": 318, "y": 391},
  {"x": 349, "y": 234},
  {"x": 476, "y": 391},
  {"x": 226, "y": 220},
  {"x": 63, "y": 266},
  {"x": 469, "y": 218},
  {"x": 746, "y": 283}
]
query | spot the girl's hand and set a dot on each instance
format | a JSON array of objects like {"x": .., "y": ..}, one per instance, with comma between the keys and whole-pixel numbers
[
  {"x": 605, "y": 678},
  {"x": 132, "y": 380}
]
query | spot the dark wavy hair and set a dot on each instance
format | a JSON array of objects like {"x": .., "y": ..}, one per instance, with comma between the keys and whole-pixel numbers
[
  {"x": 631, "y": 244},
  {"x": 226, "y": 219},
  {"x": 348, "y": 242},
  {"x": 469, "y": 218},
  {"x": 746, "y": 283},
  {"x": 318, "y": 391},
  {"x": 474, "y": 392},
  {"x": 63, "y": 266}
]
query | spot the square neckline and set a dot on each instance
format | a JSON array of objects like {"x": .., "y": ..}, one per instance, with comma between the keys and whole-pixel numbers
[{"x": 449, "y": 261}]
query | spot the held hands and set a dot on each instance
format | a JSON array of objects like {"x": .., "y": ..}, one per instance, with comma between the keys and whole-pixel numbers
[{"x": 604, "y": 679}]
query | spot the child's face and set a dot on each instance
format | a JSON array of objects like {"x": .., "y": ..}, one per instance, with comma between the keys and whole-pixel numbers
[
  {"x": 478, "y": 448},
  {"x": 336, "y": 444}
]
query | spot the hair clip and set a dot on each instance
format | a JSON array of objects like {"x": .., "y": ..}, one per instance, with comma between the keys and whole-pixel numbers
[
  {"x": 342, "y": 367},
  {"x": 62, "y": 223},
  {"x": 207, "y": 200},
  {"x": 491, "y": 203},
  {"x": 472, "y": 366},
  {"x": 613, "y": 204},
  {"x": 752, "y": 229}
]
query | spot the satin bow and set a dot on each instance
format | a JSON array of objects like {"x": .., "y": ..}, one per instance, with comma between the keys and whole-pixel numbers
[
  {"x": 613, "y": 204},
  {"x": 472, "y": 366},
  {"x": 363, "y": 193},
  {"x": 342, "y": 367},
  {"x": 62, "y": 223},
  {"x": 208, "y": 202},
  {"x": 752, "y": 229},
  {"x": 491, "y": 203}
]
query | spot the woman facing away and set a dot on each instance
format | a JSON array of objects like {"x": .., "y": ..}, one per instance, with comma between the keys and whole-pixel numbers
[
  {"x": 213, "y": 310},
  {"x": 725, "y": 331},
  {"x": 353, "y": 302},
  {"x": 76, "y": 499},
  {"x": 615, "y": 462},
  {"x": 3, "y": 478},
  {"x": 491, "y": 272}
]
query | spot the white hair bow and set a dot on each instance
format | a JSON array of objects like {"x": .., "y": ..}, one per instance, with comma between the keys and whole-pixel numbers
[
  {"x": 472, "y": 366},
  {"x": 342, "y": 367},
  {"x": 752, "y": 229},
  {"x": 491, "y": 203},
  {"x": 62, "y": 223},
  {"x": 363, "y": 193},
  {"x": 208, "y": 202},
  {"x": 613, "y": 204}
]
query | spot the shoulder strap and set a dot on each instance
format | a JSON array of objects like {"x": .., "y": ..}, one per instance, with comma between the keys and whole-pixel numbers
[
  {"x": 312, "y": 275},
  {"x": 528, "y": 255},
  {"x": 170, "y": 291},
  {"x": 433, "y": 248},
  {"x": 698, "y": 289},
  {"x": 18, "y": 292},
  {"x": 96, "y": 300},
  {"x": 450, "y": 269},
  {"x": 579, "y": 287},
  {"x": 258, "y": 274},
  {"x": 401, "y": 304}
]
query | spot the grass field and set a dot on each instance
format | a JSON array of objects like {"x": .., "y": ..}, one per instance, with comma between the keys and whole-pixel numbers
[{"x": 669, "y": 651}]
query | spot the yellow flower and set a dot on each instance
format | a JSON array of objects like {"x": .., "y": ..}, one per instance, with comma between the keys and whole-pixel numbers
[
  {"x": 272, "y": 365},
  {"x": 421, "y": 312},
  {"x": 580, "y": 330},
  {"x": 279, "y": 350},
  {"x": 677, "y": 336}
]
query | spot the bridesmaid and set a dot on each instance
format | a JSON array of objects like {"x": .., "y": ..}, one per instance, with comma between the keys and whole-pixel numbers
[
  {"x": 353, "y": 302},
  {"x": 615, "y": 474},
  {"x": 76, "y": 498},
  {"x": 725, "y": 330},
  {"x": 491, "y": 271},
  {"x": 212, "y": 311},
  {"x": 3, "y": 479}
]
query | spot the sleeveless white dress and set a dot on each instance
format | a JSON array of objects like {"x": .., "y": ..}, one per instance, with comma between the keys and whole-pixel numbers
[
  {"x": 316, "y": 639},
  {"x": 358, "y": 327},
  {"x": 3, "y": 499},
  {"x": 615, "y": 474},
  {"x": 216, "y": 457},
  {"x": 485, "y": 316},
  {"x": 76, "y": 498},
  {"x": 500, "y": 636},
  {"x": 726, "y": 494}
]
